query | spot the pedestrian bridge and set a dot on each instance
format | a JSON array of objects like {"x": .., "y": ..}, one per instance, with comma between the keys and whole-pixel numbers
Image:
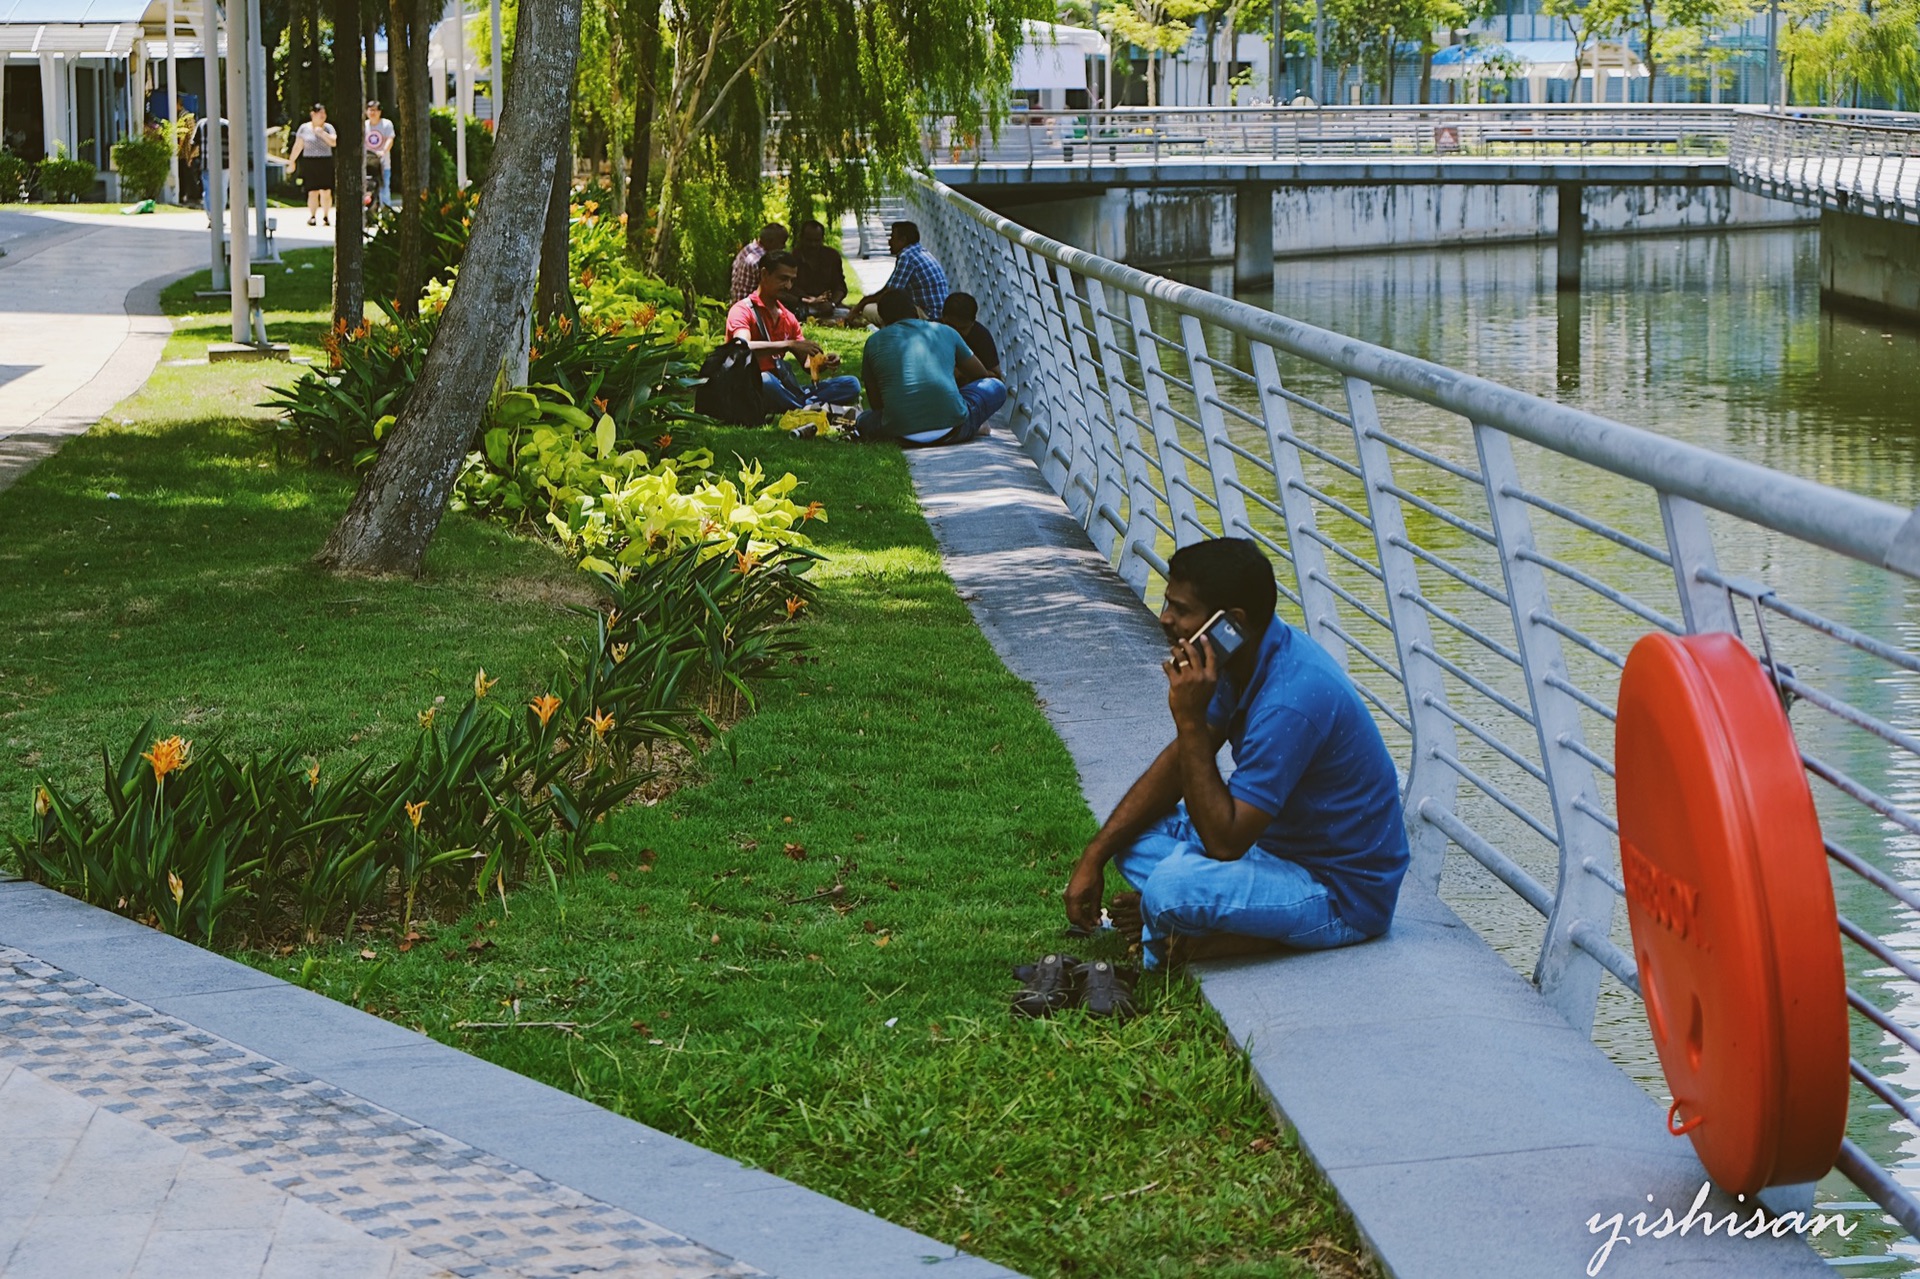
[{"x": 1480, "y": 561}]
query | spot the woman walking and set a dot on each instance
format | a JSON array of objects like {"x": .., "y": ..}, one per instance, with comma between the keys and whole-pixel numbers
[{"x": 313, "y": 152}]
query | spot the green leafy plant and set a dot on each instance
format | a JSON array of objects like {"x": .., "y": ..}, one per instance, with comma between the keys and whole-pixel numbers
[
  {"x": 14, "y": 174},
  {"x": 144, "y": 163},
  {"x": 334, "y": 415},
  {"x": 446, "y": 221},
  {"x": 64, "y": 180}
]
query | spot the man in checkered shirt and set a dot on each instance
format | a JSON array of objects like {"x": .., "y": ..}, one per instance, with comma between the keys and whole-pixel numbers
[
  {"x": 916, "y": 273},
  {"x": 746, "y": 263}
]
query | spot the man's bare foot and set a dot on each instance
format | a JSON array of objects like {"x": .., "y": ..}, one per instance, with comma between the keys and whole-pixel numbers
[
  {"x": 1187, "y": 950},
  {"x": 1124, "y": 910}
]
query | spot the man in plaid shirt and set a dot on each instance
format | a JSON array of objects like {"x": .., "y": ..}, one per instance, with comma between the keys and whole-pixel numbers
[
  {"x": 746, "y": 263},
  {"x": 916, "y": 273}
]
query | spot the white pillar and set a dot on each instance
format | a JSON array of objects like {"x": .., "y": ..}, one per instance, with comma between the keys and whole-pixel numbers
[
  {"x": 257, "y": 133},
  {"x": 240, "y": 260},
  {"x": 52, "y": 78},
  {"x": 462, "y": 92},
  {"x": 497, "y": 86},
  {"x": 437, "y": 68},
  {"x": 173, "y": 106},
  {"x": 213, "y": 196}
]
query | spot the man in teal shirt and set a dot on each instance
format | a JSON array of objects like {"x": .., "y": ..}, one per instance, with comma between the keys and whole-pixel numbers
[{"x": 925, "y": 385}]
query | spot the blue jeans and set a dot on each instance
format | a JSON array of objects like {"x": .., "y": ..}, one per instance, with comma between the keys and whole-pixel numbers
[
  {"x": 783, "y": 393},
  {"x": 983, "y": 398},
  {"x": 1184, "y": 891}
]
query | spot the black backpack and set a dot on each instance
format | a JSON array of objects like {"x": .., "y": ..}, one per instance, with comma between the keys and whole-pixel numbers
[{"x": 729, "y": 388}]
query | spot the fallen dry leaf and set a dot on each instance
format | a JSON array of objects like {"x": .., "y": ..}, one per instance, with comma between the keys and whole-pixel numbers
[
  {"x": 367, "y": 954},
  {"x": 882, "y": 939},
  {"x": 749, "y": 845},
  {"x": 868, "y": 926},
  {"x": 797, "y": 851},
  {"x": 479, "y": 944}
]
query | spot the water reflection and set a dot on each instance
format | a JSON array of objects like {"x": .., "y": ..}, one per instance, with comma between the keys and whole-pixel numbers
[{"x": 1718, "y": 340}]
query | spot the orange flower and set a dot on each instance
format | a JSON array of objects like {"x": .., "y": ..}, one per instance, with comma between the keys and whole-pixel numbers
[
  {"x": 600, "y": 402},
  {"x": 644, "y": 316},
  {"x": 794, "y": 605},
  {"x": 533, "y": 352},
  {"x": 663, "y": 442},
  {"x": 426, "y": 716},
  {"x": 600, "y": 722},
  {"x": 565, "y": 325},
  {"x": 175, "y": 887},
  {"x": 744, "y": 562},
  {"x": 168, "y": 755},
  {"x": 42, "y": 802},
  {"x": 482, "y": 685},
  {"x": 619, "y": 652},
  {"x": 813, "y": 509},
  {"x": 414, "y": 812},
  {"x": 544, "y": 707},
  {"x": 313, "y": 775},
  {"x": 593, "y": 206}
]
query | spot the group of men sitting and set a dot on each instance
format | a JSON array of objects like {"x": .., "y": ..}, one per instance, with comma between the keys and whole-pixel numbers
[{"x": 933, "y": 370}]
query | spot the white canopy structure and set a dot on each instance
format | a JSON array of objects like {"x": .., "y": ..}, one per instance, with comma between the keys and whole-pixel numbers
[
  {"x": 1054, "y": 57},
  {"x": 1538, "y": 61}
]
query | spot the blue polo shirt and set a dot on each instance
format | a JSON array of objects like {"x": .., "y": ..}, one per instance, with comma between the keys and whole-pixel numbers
[{"x": 1306, "y": 750}]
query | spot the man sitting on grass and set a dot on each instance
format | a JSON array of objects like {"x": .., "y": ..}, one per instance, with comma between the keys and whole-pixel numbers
[
  {"x": 1305, "y": 846},
  {"x": 925, "y": 385},
  {"x": 772, "y": 333}
]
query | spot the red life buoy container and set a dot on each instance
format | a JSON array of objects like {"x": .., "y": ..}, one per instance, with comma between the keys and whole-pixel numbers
[{"x": 1734, "y": 927}]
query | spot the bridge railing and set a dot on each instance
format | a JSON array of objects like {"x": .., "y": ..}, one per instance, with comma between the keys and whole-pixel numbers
[
  {"x": 1480, "y": 561},
  {"x": 1151, "y": 135},
  {"x": 1853, "y": 161}
]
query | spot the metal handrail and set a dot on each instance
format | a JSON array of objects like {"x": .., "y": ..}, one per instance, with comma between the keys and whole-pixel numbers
[
  {"x": 1850, "y": 161},
  {"x": 1114, "y": 395}
]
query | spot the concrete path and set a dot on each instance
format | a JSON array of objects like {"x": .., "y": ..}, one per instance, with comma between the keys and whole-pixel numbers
[
  {"x": 1469, "y": 1130},
  {"x": 166, "y": 1112},
  {"x": 80, "y": 322}
]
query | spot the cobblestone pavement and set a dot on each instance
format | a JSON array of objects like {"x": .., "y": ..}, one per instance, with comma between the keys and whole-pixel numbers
[{"x": 132, "y": 1143}]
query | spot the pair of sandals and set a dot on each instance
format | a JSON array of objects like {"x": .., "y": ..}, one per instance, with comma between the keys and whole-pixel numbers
[{"x": 1059, "y": 981}]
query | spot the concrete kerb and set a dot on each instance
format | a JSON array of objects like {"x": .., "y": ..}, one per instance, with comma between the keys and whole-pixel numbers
[
  {"x": 1467, "y": 1128},
  {"x": 752, "y": 1216}
]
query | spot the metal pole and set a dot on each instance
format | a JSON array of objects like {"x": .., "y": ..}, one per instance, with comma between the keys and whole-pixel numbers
[
  {"x": 462, "y": 95},
  {"x": 173, "y": 106},
  {"x": 1319, "y": 51},
  {"x": 497, "y": 86},
  {"x": 1773, "y": 55},
  {"x": 257, "y": 134},
  {"x": 212, "y": 193},
  {"x": 239, "y": 257},
  {"x": 1278, "y": 59}
]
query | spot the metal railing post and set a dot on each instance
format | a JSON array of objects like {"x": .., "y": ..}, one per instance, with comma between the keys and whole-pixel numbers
[
  {"x": 1079, "y": 397},
  {"x": 1309, "y": 558},
  {"x": 1206, "y": 395},
  {"x": 1137, "y": 487},
  {"x": 1187, "y": 526},
  {"x": 1431, "y": 783},
  {"x": 1703, "y": 606},
  {"x": 1060, "y": 427},
  {"x": 1568, "y": 977}
]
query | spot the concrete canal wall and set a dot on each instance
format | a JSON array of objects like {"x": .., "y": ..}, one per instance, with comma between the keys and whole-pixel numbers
[
  {"x": 1870, "y": 264},
  {"x": 1162, "y": 226}
]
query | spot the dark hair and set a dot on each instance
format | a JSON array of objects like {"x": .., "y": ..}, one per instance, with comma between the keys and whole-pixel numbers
[
  {"x": 373, "y": 104},
  {"x": 318, "y": 106},
  {"x": 895, "y": 305},
  {"x": 777, "y": 259},
  {"x": 908, "y": 231},
  {"x": 1228, "y": 572},
  {"x": 771, "y": 229},
  {"x": 814, "y": 222},
  {"x": 960, "y": 306}
]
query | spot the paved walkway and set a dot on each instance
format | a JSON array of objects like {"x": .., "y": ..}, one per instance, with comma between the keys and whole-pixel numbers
[
  {"x": 80, "y": 322},
  {"x": 167, "y": 1112},
  {"x": 1468, "y": 1129}
]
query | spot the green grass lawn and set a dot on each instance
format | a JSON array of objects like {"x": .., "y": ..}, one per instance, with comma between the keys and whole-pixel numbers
[{"x": 799, "y": 959}]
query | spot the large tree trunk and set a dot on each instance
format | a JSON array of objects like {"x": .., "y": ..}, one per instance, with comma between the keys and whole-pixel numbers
[
  {"x": 401, "y": 502},
  {"x": 349, "y": 170},
  {"x": 409, "y": 23},
  {"x": 645, "y": 15},
  {"x": 294, "y": 82},
  {"x": 553, "y": 296}
]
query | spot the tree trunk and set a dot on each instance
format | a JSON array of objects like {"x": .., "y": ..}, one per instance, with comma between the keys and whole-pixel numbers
[
  {"x": 409, "y": 23},
  {"x": 295, "y": 80},
  {"x": 400, "y": 503},
  {"x": 553, "y": 296},
  {"x": 646, "y": 61},
  {"x": 349, "y": 171}
]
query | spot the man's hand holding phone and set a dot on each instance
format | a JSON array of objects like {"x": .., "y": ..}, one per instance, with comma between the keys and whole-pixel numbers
[{"x": 1191, "y": 676}]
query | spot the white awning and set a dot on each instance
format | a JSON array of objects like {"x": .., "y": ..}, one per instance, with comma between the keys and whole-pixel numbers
[
  {"x": 1547, "y": 59},
  {"x": 1053, "y": 56}
]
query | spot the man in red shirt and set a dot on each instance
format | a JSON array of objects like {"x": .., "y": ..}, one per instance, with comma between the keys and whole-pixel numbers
[{"x": 772, "y": 333}]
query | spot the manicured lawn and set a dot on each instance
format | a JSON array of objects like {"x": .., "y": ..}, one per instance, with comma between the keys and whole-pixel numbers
[{"x": 798, "y": 959}]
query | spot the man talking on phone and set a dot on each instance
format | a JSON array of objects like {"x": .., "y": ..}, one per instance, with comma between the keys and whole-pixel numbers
[{"x": 1305, "y": 845}]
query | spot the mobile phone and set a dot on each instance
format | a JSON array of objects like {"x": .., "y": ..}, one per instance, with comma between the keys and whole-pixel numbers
[{"x": 1225, "y": 636}]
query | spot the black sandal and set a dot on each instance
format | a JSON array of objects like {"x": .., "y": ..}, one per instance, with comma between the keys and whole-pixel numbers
[
  {"x": 1047, "y": 986},
  {"x": 1104, "y": 991}
]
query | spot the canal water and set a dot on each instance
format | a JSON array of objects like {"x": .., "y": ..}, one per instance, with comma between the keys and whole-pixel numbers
[{"x": 1721, "y": 341}]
